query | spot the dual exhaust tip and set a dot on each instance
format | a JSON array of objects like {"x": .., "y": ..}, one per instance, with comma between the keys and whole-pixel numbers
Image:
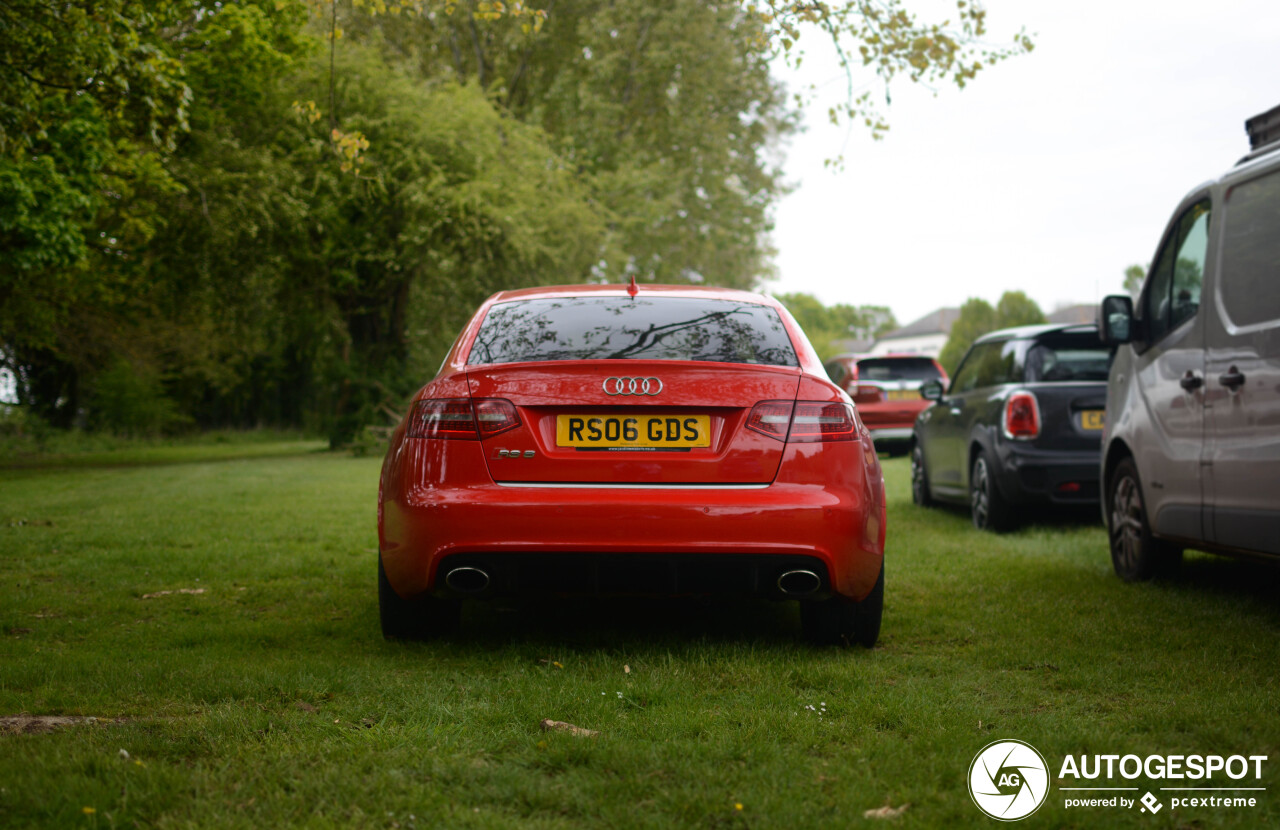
[
  {"x": 799, "y": 583},
  {"x": 467, "y": 580},
  {"x": 470, "y": 580}
]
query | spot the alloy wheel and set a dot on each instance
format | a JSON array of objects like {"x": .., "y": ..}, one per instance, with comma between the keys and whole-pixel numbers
[
  {"x": 981, "y": 495},
  {"x": 1126, "y": 522}
]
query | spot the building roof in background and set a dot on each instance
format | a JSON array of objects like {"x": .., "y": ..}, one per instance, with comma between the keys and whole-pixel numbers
[
  {"x": 853, "y": 346},
  {"x": 935, "y": 322},
  {"x": 1079, "y": 313}
]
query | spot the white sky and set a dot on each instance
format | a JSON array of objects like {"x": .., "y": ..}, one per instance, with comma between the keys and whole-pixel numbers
[{"x": 1051, "y": 173}]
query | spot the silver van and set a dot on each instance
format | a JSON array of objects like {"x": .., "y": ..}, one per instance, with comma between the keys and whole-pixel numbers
[{"x": 1191, "y": 447}]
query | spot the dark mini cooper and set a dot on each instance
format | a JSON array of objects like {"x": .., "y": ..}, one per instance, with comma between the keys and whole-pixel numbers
[{"x": 1020, "y": 424}]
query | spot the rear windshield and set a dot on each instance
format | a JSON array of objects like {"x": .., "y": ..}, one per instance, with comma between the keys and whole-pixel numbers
[
  {"x": 898, "y": 368},
  {"x": 1067, "y": 358},
  {"x": 612, "y": 328}
]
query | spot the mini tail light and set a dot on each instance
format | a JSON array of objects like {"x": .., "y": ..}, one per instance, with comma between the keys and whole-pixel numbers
[
  {"x": 462, "y": 418},
  {"x": 1021, "y": 417},
  {"x": 817, "y": 421},
  {"x": 771, "y": 418}
]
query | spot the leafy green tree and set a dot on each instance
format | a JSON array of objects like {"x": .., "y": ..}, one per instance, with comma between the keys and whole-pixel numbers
[
  {"x": 211, "y": 212},
  {"x": 825, "y": 326},
  {"x": 1017, "y": 309},
  {"x": 977, "y": 317},
  {"x": 663, "y": 108},
  {"x": 1133, "y": 277}
]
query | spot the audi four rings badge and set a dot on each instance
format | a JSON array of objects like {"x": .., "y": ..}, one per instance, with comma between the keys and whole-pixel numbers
[{"x": 632, "y": 386}]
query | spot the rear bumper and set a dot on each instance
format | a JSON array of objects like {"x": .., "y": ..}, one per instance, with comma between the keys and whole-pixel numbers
[
  {"x": 646, "y": 574},
  {"x": 535, "y": 532},
  {"x": 892, "y": 435},
  {"x": 1029, "y": 476}
]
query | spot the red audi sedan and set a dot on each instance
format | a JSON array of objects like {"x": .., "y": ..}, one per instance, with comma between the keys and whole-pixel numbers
[{"x": 605, "y": 440}]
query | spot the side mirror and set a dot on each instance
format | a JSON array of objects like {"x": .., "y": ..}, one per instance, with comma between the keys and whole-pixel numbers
[
  {"x": 931, "y": 390},
  {"x": 1115, "y": 320}
]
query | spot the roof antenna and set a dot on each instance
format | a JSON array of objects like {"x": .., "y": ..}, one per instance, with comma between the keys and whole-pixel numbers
[{"x": 633, "y": 289}]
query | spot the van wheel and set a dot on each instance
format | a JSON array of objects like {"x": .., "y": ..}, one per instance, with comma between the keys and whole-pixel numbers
[
  {"x": 1135, "y": 553},
  {"x": 414, "y": 619},
  {"x": 842, "y": 621},
  {"x": 987, "y": 505},
  {"x": 920, "y": 479}
]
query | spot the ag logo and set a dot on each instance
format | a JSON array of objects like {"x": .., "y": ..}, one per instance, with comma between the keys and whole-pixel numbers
[{"x": 1008, "y": 780}]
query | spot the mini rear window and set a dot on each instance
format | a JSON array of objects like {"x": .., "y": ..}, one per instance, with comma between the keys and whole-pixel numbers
[
  {"x": 1067, "y": 358},
  {"x": 650, "y": 328},
  {"x": 898, "y": 368}
]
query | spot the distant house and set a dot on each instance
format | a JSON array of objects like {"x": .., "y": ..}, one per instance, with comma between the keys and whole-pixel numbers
[
  {"x": 853, "y": 346},
  {"x": 1079, "y": 313},
  {"x": 925, "y": 336}
]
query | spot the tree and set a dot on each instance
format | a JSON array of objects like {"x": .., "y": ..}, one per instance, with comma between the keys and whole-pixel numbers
[
  {"x": 1133, "y": 277},
  {"x": 211, "y": 213},
  {"x": 825, "y": 326},
  {"x": 890, "y": 42},
  {"x": 977, "y": 318},
  {"x": 1017, "y": 309}
]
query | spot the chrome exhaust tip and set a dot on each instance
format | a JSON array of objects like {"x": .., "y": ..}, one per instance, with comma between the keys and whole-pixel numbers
[
  {"x": 799, "y": 583},
  {"x": 467, "y": 580}
]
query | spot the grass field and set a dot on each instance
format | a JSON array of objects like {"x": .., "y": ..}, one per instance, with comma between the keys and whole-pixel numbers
[{"x": 270, "y": 699}]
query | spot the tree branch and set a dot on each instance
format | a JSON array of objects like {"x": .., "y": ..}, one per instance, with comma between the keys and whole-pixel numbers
[{"x": 33, "y": 79}]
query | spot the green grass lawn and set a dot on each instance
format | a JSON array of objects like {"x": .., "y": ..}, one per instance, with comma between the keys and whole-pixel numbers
[{"x": 271, "y": 699}]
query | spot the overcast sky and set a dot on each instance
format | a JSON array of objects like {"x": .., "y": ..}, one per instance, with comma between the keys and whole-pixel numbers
[{"x": 1050, "y": 173}]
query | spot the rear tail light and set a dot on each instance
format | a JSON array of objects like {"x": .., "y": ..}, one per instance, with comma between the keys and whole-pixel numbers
[
  {"x": 495, "y": 415},
  {"x": 804, "y": 421},
  {"x": 462, "y": 418},
  {"x": 1021, "y": 417},
  {"x": 771, "y": 418},
  {"x": 817, "y": 421}
]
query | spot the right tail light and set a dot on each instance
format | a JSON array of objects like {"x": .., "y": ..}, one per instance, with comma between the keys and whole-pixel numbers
[{"x": 804, "y": 421}]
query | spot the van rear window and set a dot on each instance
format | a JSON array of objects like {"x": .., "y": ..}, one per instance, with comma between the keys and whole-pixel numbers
[{"x": 650, "y": 328}]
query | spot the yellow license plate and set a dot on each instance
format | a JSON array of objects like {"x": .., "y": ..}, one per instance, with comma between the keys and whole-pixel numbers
[
  {"x": 1093, "y": 419},
  {"x": 657, "y": 431},
  {"x": 902, "y": 394}
]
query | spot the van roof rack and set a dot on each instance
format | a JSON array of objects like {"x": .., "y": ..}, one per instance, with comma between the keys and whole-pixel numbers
[
  {"x": 1263, "y": 129},
  {"x": 1264, "y": 134}
]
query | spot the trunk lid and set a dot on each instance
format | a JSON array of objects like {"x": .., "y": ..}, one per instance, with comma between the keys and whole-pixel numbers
[
  {"x": 574, "y": 431},
  {"x": 1071, "y": 414}
]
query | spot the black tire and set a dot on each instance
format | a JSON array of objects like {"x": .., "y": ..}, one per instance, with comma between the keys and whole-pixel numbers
[
  {"x": 987, "y": 505},
  {"x": 1135, "y": 553},
  {"x": 920, "y": 479},
  {"x": 416, "y": 619},
  {"x": 842, "y": 621}
]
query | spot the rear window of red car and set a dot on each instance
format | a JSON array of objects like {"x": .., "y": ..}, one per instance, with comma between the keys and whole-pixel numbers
[
  {"x": 898, "y": 368},
  {"x": 651, "y": 328}
]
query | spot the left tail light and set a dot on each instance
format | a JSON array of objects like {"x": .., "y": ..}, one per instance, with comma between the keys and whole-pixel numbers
[
  {"x": 1022, "y": 416},
  {"x": 804, "y": 421},
  {"x": 462, "y": 418}
]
